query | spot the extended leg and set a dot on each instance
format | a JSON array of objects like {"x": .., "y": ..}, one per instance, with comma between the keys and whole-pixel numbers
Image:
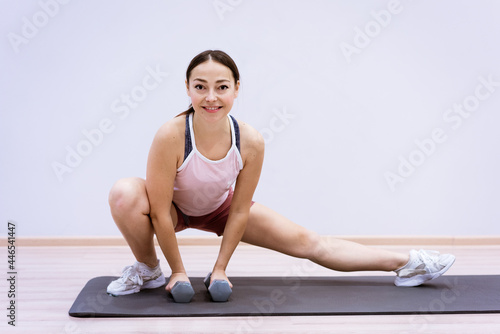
[{"x": 268, "y": 229}]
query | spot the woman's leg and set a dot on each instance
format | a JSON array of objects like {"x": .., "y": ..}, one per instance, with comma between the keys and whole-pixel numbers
[
  {"x": 271, "y": 230},
  {"x": 130, "y": 208}
]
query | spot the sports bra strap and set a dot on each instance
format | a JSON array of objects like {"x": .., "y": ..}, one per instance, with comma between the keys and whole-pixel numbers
[
  {"x": 236, "y": 132},
  {"x": 188, "y": 145}
]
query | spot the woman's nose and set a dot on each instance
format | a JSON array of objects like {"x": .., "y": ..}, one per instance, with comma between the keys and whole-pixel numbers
[{"x": 211, "y": 96}]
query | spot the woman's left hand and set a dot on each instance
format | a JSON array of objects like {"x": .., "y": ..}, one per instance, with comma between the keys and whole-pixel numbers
[{"x": 220, "y": 275}]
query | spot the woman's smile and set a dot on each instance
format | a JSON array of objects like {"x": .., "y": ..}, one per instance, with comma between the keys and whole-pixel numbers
[{"x": 211, "y": 109}]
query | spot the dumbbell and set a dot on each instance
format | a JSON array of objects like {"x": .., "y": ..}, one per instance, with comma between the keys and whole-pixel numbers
[
  {"x": 182, "y": 292},
  {"x": 219, "y": 289}
]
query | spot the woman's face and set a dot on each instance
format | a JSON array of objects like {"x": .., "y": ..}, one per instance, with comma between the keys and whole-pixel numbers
[{"x": 212, "y": 90}]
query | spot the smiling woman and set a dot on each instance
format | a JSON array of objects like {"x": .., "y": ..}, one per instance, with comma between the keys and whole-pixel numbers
[
  {"x": 193, "y": 162},
  {"x": 212, "y": 90},
  {"x": 218, "y": 59}
]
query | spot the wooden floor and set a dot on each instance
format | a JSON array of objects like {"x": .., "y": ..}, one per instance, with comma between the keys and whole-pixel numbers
[{"x": 50, "y": 278}]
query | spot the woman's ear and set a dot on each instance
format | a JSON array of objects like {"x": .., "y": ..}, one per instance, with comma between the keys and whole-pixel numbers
[
  {"x": 236, "y": 89},
  {"x": 187, "y": 88}
]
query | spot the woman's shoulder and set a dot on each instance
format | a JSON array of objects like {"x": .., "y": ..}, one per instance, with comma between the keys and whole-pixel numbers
[
  {"x": 172, "y": 130},
  {"x": 249, "y": 137}
]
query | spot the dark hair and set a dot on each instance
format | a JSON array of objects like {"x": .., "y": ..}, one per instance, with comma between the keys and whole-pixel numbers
[{"x": 215, "y": 55}]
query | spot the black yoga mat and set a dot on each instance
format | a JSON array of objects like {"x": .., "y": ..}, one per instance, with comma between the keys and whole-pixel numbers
[{"x": 280, "y": 296}]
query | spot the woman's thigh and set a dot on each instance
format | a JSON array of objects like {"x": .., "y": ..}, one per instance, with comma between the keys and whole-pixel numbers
[{"x": 269, "y": 229}]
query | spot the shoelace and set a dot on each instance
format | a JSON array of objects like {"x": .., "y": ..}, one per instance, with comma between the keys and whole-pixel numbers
[
  {"x": 132, "y": 274},
  {"x": 429, "y": 258},
  {"x": 424, "y": 261}
]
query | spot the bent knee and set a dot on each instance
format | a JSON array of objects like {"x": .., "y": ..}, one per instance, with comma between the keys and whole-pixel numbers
[{"x": 129, "y": 194}]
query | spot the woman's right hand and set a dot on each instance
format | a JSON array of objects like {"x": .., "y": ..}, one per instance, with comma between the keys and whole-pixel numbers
[{"x": 174, "y": 278}]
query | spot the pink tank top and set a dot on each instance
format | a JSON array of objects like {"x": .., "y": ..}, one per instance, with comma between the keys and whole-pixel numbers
[{"x": 202, "y": 185}]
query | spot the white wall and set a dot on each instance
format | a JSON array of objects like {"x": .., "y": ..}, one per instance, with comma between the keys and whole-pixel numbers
[{"x": 339, "y": 109}]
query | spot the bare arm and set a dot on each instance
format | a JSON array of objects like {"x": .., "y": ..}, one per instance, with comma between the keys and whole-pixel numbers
[
  {"x": 161, "y": 171},
  {"x": 252, "y": 149}
]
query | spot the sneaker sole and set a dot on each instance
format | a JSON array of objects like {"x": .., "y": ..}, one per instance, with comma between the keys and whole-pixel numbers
[
  {"x": 420, "y": 279},
  {"x": 124, "y": 292},
  {"x": 156, "y": 283}
]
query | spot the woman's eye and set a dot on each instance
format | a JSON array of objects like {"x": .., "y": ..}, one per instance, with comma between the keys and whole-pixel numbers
[
  {"x": 223, "y": 87},
  {"x": 198, "y": 87}
]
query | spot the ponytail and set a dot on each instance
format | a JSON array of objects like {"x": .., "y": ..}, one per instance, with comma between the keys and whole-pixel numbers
[{"x": 187, "y": 112}]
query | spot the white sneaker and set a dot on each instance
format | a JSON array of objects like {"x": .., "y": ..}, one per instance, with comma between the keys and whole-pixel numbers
[
  {"x": 136, "y": 278},
  {"x": 422, "y": 267}
]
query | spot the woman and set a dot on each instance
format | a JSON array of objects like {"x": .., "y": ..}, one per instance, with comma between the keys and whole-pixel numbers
[{"x": 194, "y": 160}]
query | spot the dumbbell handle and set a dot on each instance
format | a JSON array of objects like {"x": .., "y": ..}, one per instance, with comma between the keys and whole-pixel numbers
[
  {"x": 219, "y": 290},
  {"x": 182, "y": 292}
]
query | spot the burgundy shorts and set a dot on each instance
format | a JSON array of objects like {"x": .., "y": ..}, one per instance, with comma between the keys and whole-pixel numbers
[{"x": 213, "y": 222}]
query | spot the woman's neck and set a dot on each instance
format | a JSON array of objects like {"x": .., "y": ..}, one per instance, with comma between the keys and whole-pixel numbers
[{"x": 210, "y": 132}]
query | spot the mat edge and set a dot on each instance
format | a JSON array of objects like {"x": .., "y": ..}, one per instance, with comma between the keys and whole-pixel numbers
[{"x": 315, "y": 314}]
